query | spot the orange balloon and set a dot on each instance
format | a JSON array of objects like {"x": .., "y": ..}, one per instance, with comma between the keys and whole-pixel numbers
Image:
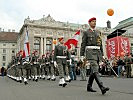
[
  {"x": 54, "y": 41},
  {"x": 110, "y": 12}
]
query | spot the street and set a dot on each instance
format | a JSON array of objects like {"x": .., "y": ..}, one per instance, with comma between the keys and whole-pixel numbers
[{"x": 120, "y": 89}]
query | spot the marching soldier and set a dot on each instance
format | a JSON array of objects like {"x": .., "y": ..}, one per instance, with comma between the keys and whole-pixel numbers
[
  {"x": 60, "y": 56},
  {"x": 47, "y": 62},
  {"x": 52, "y": 66},
  {"x": 35, "y": 66},
  {"x": 43, "y": 67},
  {"x": 20, "y": 64},
  {"x": 91, "y": 48}
]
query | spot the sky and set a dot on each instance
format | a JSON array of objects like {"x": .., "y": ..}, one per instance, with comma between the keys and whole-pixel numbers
[{"x": 13, "y": 12}]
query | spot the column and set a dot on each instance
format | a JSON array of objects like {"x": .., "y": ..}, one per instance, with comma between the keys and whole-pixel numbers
[
  {"x": 41, "y": 47},
  {"x": 44, "y": 45}
]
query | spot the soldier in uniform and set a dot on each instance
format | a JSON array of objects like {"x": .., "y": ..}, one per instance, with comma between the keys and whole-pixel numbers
[
  {"x": 52, "y": 66},
  {"x": 47, "y": 62},
  {"x": 35, "y": 66},
  {"x": 128, "y": 61},
  {"x": 91, "y": 48},
  {"x": 61, "y": 54},
  {"x": 20, "y": 63},
  {"x": 43, "y": 67}
]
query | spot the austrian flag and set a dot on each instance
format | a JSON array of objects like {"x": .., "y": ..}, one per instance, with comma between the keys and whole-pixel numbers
[
  {"x": 26, "y": 46},
  {"x": 73, "y": 40}
]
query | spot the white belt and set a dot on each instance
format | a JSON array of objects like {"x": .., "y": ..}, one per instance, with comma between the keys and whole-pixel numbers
[
  {"x": 92, "y": 47},
  {"x": 72, "y": 56},
  {"x": 61, "y": 57}
]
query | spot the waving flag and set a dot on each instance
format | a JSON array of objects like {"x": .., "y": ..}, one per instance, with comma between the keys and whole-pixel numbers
[
  {"x": 73, "y": 40},
  {"x": 26, "y": 47}
]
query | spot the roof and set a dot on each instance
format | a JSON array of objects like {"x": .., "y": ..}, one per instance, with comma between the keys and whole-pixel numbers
[
  {"x": 115, "y": 33},
  {"x": 8, "y": 36},
  {"x": 123, "y": 22}
]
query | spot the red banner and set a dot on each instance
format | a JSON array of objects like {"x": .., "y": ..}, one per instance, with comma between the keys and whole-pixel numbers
[{"x": 117, "y": 46}]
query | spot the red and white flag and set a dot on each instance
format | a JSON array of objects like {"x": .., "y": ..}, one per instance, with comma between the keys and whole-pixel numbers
[
  {"x": 26, "y": 51},
  {"x": 74, "y": 40}
]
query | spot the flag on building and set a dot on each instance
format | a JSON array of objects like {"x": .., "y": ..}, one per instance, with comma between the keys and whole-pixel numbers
[
  {"x": 26, "y": 51},
  {"x": 74, "y": 40}
]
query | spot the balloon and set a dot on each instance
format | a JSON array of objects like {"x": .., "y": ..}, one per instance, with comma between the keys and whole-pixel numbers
[{"x": 110, "y": 12}]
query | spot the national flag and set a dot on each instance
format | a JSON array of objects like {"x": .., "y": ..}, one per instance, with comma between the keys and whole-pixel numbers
[
  {"x": 26, "y": 51},
  {"x": 74, "y": 40}
]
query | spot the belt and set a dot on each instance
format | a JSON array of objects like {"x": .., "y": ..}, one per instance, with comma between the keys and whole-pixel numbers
[
  {"x": 72, "y": 56},
  {"x": 61, "y": 57},
  {"x": 92, "y": 47}
]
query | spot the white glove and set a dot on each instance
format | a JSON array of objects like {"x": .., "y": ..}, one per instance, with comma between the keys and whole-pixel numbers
[
  {"x": 70, "y": 61},
  {"x": 55, "y": 64},
  {"x": 82, "y": 58}
]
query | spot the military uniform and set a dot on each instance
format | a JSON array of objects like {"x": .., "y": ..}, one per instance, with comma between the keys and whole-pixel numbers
[
  {"x": 91, "y": 48},
  {"x": 35, "y": 67},
  {"x": 60, "y": 56},
  {"x": 128, "y": 61},
  {"x": 52, "y": 67},
  {"x": 43, "y": 67},
  {"x": 48, "y": 67}
]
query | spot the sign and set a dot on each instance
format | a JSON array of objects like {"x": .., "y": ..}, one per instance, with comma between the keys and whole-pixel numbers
[{"x": 117, "y": 46}]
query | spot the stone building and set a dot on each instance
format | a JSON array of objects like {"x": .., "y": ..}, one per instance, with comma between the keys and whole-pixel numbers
[{"x": 8, "y": 47}]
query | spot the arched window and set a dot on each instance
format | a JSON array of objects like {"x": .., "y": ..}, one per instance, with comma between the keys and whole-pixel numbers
[{"x": 37, "y": 45}]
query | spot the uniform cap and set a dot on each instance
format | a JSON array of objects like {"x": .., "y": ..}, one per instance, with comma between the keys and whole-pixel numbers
[{"x": 93, "y": 18}]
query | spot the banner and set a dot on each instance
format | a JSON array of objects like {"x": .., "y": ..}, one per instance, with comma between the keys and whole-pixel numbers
[{"x": 117, "y": 46}]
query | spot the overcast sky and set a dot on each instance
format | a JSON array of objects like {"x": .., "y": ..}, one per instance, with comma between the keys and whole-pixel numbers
[{"x": 13, "y": 12}]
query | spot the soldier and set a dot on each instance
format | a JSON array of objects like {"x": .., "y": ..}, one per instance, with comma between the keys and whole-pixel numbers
[
  {"x": 35, "y": 65},
  {"x": 52, "y": 66},
  {"x": 43, "y": 67},
  {"x": 20, "y": 64},
  {"x": 47, "y": 62},
  {"x": 128, "y": 61},
  {"x": 60, "y": 55},
  {"x": 91, "y": 47}
]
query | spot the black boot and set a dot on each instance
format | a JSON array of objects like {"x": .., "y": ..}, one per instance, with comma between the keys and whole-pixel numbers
[
  {"x": 104, "y": 90},
  {"x": 100, "y": 83},
  {"x": 90, "y": 81},
  {"x": 89, "y": 89}
]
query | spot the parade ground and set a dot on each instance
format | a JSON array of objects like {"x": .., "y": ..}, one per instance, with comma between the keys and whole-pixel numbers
[{"x": 120, "y": 89}]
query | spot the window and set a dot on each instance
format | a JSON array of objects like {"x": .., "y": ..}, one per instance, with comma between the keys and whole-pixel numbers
[
  {"x": 4, "y": 44},
  {"x": 4, "y": 50},
  {"x": 48, "y": 45},
  {"x": 13, "y": 51},
  {"x": 4, "y": 58},
  {"x": 4, "y": 64},
  {"x": 37, "y": 45}
]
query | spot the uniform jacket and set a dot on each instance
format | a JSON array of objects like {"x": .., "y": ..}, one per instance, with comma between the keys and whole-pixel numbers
[
  {"x": 61, "y": 50},
  {"x": 91, "y": 38}
]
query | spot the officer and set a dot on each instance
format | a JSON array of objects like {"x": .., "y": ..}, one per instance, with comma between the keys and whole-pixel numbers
[
  {"x": 60, "y": 54},
  {"x": 91, "y": 48}
]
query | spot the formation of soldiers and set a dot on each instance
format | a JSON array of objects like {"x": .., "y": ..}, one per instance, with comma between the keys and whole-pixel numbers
[{"x": 41, "y": 67}]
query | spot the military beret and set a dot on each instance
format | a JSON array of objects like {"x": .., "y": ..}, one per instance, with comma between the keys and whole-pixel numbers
[{"x": 93, "y": 18}]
